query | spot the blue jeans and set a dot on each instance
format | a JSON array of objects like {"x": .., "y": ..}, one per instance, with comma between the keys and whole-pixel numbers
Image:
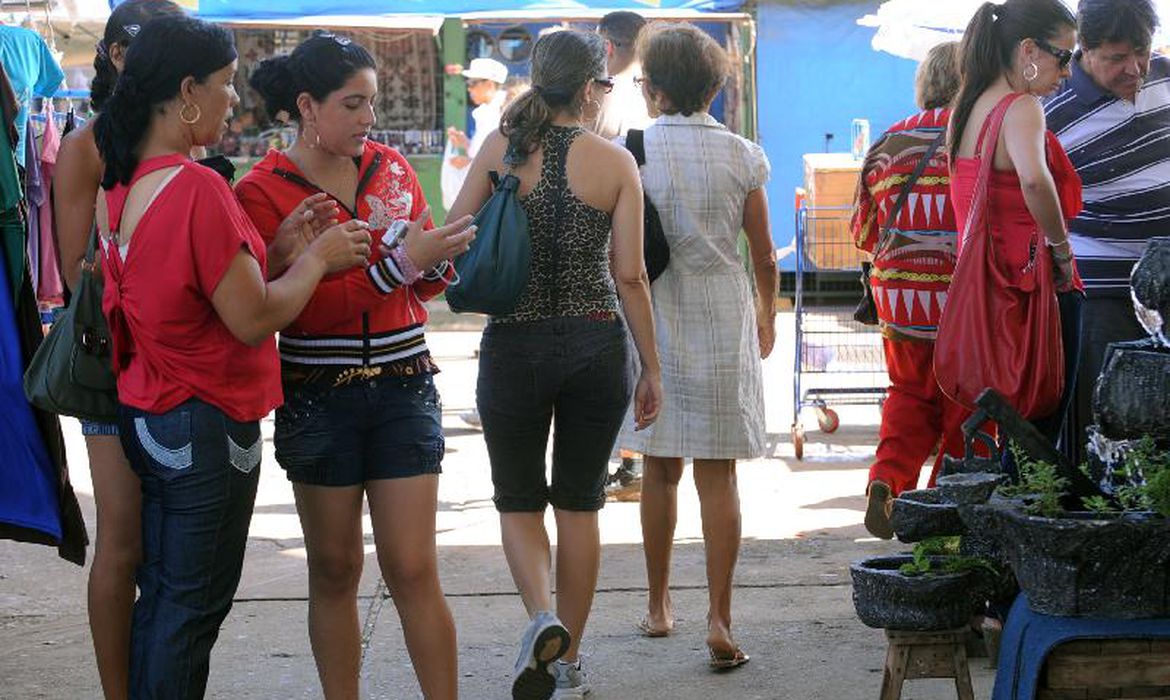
[{"x": 199, "y": 470}]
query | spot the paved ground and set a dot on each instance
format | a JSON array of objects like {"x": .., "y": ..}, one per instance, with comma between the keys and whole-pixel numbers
[{"x": 802, "y": 526}]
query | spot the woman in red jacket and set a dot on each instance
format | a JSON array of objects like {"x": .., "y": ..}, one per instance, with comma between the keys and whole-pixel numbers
[
  {"x": 191, "y": 323},
  {"x": 361, "y": 414}
]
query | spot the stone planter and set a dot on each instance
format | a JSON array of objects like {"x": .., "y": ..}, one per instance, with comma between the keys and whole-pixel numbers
[
  {"x": 924, "y": 513},
  {"x": 887, "y": 599},
  {"x": 1150, "y": 284},
  {"x": 1130, "y": 398},
  {"x": 969, "y": 489},
  {"x": 1087, "y": 565}
]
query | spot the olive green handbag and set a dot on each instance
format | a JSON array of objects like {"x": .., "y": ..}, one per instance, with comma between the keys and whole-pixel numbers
[{"x": 71, "y": 373}]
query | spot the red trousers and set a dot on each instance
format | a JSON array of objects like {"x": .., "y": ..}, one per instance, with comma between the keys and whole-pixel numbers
[{"x": 916, "y": 416}]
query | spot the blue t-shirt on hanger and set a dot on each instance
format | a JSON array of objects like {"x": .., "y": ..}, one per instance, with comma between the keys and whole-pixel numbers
[{"x": 31, "y": 69}]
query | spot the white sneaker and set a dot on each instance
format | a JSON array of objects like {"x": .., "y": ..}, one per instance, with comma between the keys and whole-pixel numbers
[
  {"x": 571, "y": 680},
  {"x": 471, "y": 418},
  {"x": 545, "y": 640}
]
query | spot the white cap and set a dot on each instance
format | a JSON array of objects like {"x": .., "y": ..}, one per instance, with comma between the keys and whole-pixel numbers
[{"x": 487, "y": 69}]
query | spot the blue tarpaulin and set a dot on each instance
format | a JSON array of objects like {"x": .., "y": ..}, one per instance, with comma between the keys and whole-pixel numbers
[{"x": 243, "y": 10}]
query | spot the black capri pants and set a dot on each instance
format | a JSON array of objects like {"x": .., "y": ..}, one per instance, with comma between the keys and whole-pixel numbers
[{"x": 570, "y": 373}]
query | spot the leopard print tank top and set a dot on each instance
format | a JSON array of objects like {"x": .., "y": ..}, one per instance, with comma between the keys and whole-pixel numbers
[{"x": 570, "y": 244}]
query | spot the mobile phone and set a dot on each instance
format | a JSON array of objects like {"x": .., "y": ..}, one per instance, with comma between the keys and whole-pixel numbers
[{"x": 394, "y": 234}]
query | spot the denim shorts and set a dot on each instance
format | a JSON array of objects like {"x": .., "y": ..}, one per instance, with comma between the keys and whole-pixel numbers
[
  {"x": 572, "y": 374},
  {"x": 378, "y": 428}
]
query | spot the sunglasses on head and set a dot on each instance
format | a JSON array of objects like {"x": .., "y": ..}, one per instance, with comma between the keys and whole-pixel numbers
[
  {"x": 605, "y": 83},
  {"x": 1063, "y": 56}
]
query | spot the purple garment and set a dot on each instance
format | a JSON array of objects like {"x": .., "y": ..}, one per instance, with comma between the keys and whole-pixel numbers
[{"x": 35, "y": 196}]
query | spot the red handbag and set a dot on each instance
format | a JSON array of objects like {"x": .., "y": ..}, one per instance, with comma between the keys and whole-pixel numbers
[{"x": 996, "y": 333}]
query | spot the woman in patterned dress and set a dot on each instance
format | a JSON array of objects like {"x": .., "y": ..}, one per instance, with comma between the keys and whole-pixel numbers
[{"x": 707, "y": 183}]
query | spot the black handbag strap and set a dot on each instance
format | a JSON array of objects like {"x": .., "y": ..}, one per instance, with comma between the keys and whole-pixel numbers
[
  {"x": 636, "y": 144},
  {"x": 909, "y": 184}
]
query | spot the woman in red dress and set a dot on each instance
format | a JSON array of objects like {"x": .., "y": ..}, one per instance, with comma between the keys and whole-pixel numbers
[{"x": 1012, "y": 54}]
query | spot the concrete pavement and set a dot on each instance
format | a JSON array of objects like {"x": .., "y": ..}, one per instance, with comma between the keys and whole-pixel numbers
[{"x": 801, "y": 526}]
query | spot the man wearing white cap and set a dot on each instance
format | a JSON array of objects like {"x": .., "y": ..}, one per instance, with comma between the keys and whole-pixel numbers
[{"x": 485, "y": 78}]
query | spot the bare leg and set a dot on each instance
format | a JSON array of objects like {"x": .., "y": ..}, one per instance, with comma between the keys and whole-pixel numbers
[
  {"x": 578, "y": 559},
  {"x": 660, "y": 477},
  {"x": 117, "y": 553},
  {"x": 331, "y": 519},
  {"x": 403, "y": 516},
  {"x": 719, "y": 502},
  {"x": 527, "y": 549}
]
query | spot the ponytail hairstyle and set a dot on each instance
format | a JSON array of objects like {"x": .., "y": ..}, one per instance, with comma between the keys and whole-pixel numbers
[
  {"x": 562, "y": 63},
  {"x": 989, "y": 47},
  {"x": 123, "y": 25},
  {"x": 165, "y": 53},
  {"x": 320, "y": 65}
]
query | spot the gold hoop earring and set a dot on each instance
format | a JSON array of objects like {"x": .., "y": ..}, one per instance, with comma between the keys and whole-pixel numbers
[
  {"x": 1031, "y": 72},
  {"x": 183, "y": 113},
  {"x": 316, "y": 137}
]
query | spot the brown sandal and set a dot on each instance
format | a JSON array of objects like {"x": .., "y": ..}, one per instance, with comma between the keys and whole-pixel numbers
[
  {"x": 721, "y": 662},
  {"x": 651, "y": 632}
]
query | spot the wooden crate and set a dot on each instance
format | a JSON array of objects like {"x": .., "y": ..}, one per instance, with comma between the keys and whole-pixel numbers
[
  {"x": 1107, "y": 669},
  {"x": 830, "y": 182}
]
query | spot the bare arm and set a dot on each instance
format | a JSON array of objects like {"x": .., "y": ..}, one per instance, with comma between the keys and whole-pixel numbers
[
  {"x": 633, "y": 287},
  {"x": 253, "y": 310},
  {"x": 763, "y": 260},
  {"x": 1023, "y": 139},
  {"x": 75, "y": 186},
  {"x": 477, "y": 188}
]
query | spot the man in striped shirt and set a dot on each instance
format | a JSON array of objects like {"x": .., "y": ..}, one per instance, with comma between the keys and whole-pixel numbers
[{"x": 1113, "y": 117}]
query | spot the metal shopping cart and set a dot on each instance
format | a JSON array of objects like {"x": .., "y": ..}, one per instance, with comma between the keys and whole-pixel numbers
[{"x": 837, "y": 360}]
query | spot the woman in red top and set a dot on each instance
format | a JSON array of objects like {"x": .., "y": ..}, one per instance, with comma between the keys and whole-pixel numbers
[
  {"x": 191, "y": 323},
  {"x": 362, "y": 417},
  {"x": 1013, "y": 54},
  {"x": 117, "y": 545}
]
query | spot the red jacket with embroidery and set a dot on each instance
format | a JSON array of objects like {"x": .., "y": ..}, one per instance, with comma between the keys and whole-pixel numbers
[{"x": 366, "y": 315}]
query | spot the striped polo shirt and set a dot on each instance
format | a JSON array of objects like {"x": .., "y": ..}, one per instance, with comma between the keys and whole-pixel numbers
[{"x": 1121, "y": 150}]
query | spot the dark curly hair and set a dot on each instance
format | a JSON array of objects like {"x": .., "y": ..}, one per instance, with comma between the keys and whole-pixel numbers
[
  {"x": 123, "y": 25},
  {"x": 319, "y": 65}
]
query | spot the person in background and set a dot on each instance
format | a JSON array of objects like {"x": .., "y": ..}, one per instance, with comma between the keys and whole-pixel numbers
[
  {"x": 562, "y": 357},
  {"x": 707, "y": 184},
  {"x": 1012, "y": 54},
  {"x": 191, "y": 323},
  {"x": 485, "y": 86},
  {"x": 33, "y": 72},
  {"x": 913, "y": 259},
  {"x": 624, "y": 108},
  {"x": 1108, "y": 115},
  {"x": 116, "y": 489},
  {"x": 362, "y": 417}
]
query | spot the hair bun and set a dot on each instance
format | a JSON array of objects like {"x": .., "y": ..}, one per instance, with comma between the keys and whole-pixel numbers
[{"x": 273, "y": 79}]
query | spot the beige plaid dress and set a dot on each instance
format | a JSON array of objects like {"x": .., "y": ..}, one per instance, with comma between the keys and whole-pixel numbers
[{"x": 698, "y": 175}]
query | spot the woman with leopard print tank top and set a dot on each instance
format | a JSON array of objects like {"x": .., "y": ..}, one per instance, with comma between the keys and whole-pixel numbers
[{"x": 562, "y": 354}]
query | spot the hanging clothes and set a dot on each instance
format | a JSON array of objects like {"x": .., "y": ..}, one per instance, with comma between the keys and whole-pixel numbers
[
  {"x": 32, "y": 70},
  {"x": 37, "y": 502},
  {"x": 49, "y": 288},
  {"x": 36, "y": 197},
  {"x": 12, "y": 231}
]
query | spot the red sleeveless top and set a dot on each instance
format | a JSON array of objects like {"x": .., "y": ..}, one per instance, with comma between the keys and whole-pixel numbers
[{"x": 1014, "y": 232}]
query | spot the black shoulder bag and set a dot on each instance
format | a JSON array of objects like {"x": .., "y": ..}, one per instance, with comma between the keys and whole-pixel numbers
[{"x": 654, "y": 246}]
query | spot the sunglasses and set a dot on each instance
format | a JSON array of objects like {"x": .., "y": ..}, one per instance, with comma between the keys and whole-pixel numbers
[
  {"x": 1063, "y": 56},
  {"x": 605, "y": 83}
]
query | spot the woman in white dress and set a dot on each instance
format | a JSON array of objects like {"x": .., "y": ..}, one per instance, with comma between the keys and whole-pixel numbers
[{"x": 707, "y": 184}]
